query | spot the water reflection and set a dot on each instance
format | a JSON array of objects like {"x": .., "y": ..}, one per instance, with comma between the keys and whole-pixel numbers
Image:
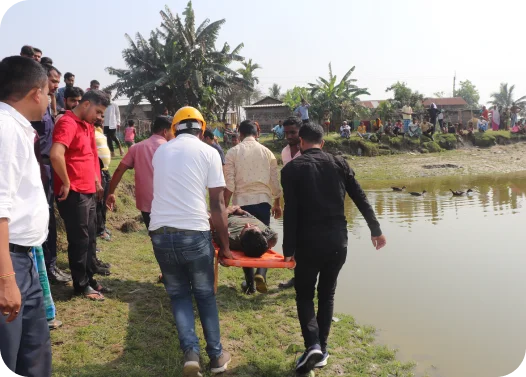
[{"x": 448, "y": 290}]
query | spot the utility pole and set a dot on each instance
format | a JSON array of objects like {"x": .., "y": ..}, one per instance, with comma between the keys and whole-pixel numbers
[{"x": 454, "y": 83}]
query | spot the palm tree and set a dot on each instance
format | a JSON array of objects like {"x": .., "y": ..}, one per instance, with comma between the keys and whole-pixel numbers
[
  {"x": 275, "y": 91},
  {"x": 179, "y": 65},
  {"x": 505, "y": 98},
  {"x": 329, "y": 96},
  {"x": 247, "y": 72}
]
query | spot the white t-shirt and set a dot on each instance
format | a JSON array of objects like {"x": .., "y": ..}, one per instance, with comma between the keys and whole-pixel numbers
[
  {"x": 183, "y": 169},
  {"x": 112, "y": 117},
  {"x": 22, "y": 198},
  {"x": 304, "y": 111},
  {"x": 441, "y": 116}
]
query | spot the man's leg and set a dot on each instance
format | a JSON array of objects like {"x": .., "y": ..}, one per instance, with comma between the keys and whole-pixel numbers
[
  {"x": 75, "y": 213},
  {"x": 26, "y": 346},
  {"x": 91, "y": 252},
  {"x": 113, "y": 135},
  {"x": 326, "y": 289},
  {"x": 108, "y": 138}
]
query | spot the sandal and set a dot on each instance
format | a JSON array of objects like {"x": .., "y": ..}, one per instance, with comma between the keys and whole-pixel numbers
[
  {"x": 105, "y": 236},
  {"x": 54, "y": 324},
  {"x": 99, "y": 288},
  {"x": 92, "y": 294}
]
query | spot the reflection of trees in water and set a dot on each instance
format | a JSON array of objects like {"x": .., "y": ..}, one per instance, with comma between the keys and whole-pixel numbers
[{"x": 498, "y": 194}]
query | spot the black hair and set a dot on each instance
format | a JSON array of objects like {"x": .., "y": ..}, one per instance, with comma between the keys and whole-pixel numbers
[
  {"x": 96, "y": 97},
  {"x": 161, "y": 123},
  {"x": 18, "y": 76},
  {"x": 131, "y": 122},
  {"x": 46, "y": 60},
  {"x": 191, "y": 131},
  {"x": 293, "y": 121},
  {"x": 209, "y": 134},
  {"x": 49, "y": 68},
  {"x": 68, "y": 75},
  {"x": 27, "y": 51},
  {"x": 73, "y": 92},
  {"x": 253, "y": 243},
  {"x": 311, "y": 133},
  {"x": 94, "y": 82},
  {"x": 37, "y": 50},
  {"x": 248, "y": 128}
]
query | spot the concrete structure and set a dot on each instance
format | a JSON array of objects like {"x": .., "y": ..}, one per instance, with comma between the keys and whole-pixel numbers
[
  {"x": 267, "y": 112},
  {"x": 454, "y": 103}
]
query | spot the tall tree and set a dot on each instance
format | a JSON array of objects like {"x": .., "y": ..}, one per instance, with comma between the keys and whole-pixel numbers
[
  {"x": 293, "y": 97},
  {"x": 247, "y": 72},
  {"x": 179, "y": 65},
  {"x": 469, "y": 93},
  {"x": 505, "y": 97},
  {"x": 402, "y": 94},
  {"x": 275, "y": 91}
]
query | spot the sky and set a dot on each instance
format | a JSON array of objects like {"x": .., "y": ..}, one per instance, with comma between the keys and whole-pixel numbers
[{"x": 422, "y": 43}]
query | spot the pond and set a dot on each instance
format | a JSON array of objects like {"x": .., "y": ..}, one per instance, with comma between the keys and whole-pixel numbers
[{"x": 448, "y": 290}]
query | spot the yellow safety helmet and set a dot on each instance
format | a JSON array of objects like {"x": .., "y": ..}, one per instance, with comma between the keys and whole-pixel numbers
[{"x": 187, "y": 113}]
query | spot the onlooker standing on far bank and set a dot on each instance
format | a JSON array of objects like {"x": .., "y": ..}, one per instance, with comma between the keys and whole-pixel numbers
[
  {"x": 112, "y": 122},
  {"x": 303, "y": 110},
  {"x": 25, "y": 345},
  {"x": 407, "y": 114}
]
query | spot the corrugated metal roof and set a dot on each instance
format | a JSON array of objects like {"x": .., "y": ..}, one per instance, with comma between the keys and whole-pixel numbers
[
  {"x": 269, "y": 105},
  {"x": 370, "y": 104},
  {"x": 454, "y": 101}
]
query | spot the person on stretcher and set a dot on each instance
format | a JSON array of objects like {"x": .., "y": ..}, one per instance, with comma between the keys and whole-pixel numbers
[{"x": 247, "y": 234}]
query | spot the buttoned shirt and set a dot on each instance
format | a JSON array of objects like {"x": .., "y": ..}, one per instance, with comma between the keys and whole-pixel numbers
[
  {"x": 251, "y": 173},
  {"x": 112, "y": 117},
  {"x": 286, "y": 155},
  {"x": 22, "y": 198}
]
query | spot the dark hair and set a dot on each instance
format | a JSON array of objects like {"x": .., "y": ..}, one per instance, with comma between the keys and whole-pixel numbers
[
  {"x": 73, "y": 92},
  {"x": 191, "y": 131},
  {"x": 94, "y": 82},
  {"x": 209, "y": 134},
  {"x": 131, "y": 122},
  {"x": 37, "y": 50},
  {"x": 96, "y": 97},
  {"x": 27, "y": 51},
  {"x": 253, "y": 243},
  {"x": 68, "y": 75},
  {"x": 312, "y": 133},
  {"x": 18, "y": 76},
  {"x": 293, "y": 121},
  {"x": 49, "y": 68},
  {"x": 161, "y": 123},
  {"x": 248, "y": 128},
  {"x": 46, "y": 60}
]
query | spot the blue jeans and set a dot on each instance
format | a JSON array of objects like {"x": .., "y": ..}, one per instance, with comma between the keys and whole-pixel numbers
[
  {"x": 406, "y": 125},
  {"x": 186, "y": 259}
]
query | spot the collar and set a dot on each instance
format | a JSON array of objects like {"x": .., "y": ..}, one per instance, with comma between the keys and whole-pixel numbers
[
  {"x": 312, "y": 151},
  {"x": 183, "y": 136},
  {"x": 249, "y": 138},
  {"x": 15, "y": 114},
  {"x": 157, "y": 137}
]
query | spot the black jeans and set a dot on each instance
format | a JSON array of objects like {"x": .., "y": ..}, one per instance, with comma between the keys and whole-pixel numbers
[
  {"x": 112, "y": 137},
  {"x": 24, "y": 343},
  {"x": 50, "y": 245},
  {"x": 101, "y": 206},
  {"x": 316, "y": 328},
  {"x": 79, "y": 213},
  {"x": 261, "y": 212},
  {"x": 146, "y": 219}
]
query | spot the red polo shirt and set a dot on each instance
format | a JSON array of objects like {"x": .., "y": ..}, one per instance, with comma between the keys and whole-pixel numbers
[{"x": 82, "y": 161}]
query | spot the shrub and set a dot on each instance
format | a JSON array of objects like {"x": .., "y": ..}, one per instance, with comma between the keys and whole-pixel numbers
[
  {"x": 432, "y": 146},
  {"x": 448, "y": 141},
  {"x": 484, "y": 139}
]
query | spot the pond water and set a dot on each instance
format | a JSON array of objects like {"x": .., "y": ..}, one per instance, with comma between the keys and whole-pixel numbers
[{"x": 448, "y": 290}]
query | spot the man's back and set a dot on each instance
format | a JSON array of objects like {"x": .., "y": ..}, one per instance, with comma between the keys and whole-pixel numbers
[{"x": 183, "y": 169}]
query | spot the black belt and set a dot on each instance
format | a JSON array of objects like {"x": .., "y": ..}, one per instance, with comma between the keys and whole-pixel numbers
[
  {"x": 19, "y": 249},
  {"x": 169, "y": 230}
]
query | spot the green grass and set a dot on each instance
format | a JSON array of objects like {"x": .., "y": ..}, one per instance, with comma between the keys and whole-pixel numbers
[{"x": 132, "y": 333}]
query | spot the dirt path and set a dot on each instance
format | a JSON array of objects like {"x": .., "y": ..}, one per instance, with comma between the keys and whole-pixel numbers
[{"x": 498, "y": 159}]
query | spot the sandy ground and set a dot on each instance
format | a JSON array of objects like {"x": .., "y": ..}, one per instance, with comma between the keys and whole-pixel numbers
[{"x": 475, "y": 161}]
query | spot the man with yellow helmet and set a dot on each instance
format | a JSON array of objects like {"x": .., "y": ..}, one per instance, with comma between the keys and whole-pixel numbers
[{"x": 183, "y": 170}]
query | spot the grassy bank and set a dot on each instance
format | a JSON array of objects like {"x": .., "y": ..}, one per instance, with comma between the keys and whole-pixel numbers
[{"x": 132, "y": 333}]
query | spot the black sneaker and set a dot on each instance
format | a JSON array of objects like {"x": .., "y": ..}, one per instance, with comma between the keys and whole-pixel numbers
[
  {"x": 220, "y": 364},
  {"x": 248, "y": 289},
  {"x": 101, "y": 271},
  {"x": 56, "y": 276},
  {"x": 191, "y": 364},
  {"x": 287, "y": 285},
  {"x": 309, "y": 359},
  {"x": 323, "y": 361},
  {"x": 100, "y": 263}
]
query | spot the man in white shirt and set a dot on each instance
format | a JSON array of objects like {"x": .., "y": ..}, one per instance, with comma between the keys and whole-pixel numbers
[
  {"x": 180, "y": 231},
  {"x": 251, "y": 174},
  {"x": 407, "y": 114},
  {"x": 25, "y": 344},
  {"x": 303, "y": 111},
  {"x": 112, "y": 122}
]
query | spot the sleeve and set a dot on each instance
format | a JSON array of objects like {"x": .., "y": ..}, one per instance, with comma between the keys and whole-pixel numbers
[
  {"x": 215, "y": 172},
  {"x": 64, "y": 131},
  {"x": 290, "y": 212},
  {"x": 359, "y": 198},
  {"x": 274, "y": 178},
  {"x": 129, "y": 158},
  {"x": 230, "y": 170},
  {"x": 10, "y": 159},
  {"x": 95, "y": 152}
]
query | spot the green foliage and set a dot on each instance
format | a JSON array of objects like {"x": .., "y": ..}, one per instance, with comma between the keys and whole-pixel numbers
[
  {"x": 402, "y": 94},
  {"x": 469, "y": 93},
  {"x": 432, "y": 146},
  {"x": 484, "y": 139},
  {"x": 447, "y": 141},
  {"x": 275, "y": 91},
  {"x": 505, "y": 97},
  {"x": 293, "y": 97}
]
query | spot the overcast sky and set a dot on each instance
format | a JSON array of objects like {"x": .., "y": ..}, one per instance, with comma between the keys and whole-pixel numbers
[{"x": 420, "y": 42}]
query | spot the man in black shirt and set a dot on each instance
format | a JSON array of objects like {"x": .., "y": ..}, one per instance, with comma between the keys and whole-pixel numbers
[{"x": 315, "y": 235}]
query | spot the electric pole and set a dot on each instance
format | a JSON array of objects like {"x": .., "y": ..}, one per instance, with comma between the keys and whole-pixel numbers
[{"x": 454, "y": 83}]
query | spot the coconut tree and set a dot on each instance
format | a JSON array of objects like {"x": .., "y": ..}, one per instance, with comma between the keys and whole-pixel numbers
[
  {"x": 179, "y": 65},
  {"x": 247, "y": 72},
  {"x": 505, "y": 97},
  {"x": 275, "y": 91},
  {"x": 329, "y": 95}
]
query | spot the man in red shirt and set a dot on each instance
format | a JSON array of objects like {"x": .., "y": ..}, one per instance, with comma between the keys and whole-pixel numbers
[{"x": 76, "y": 184}]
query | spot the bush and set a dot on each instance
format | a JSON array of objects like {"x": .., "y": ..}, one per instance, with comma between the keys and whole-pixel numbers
[
  {"x": 432, "y": 146},
  {"x": 484, "y": 139},
  {"x": 411, "y": 143},
  {"x": 373, "y": 139},
  {"x": 448, "y": 141}
]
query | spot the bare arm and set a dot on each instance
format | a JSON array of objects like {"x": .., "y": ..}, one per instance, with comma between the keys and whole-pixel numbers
[
  {"x": 220, "y": 220},
  {"x": 58, "y": 161},
  {"x": 10, "y": 299},
  {"x": 115, "y": 180}
]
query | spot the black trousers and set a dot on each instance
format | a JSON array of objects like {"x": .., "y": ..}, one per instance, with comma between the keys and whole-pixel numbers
[
  {"x": 49, "y": 247},
  {"x": 25, "y": 345},
  {"x": 261, "y": 212},
  {"x": 111, "y": 135},
  {"x": 79, "y": 212},
  {"x": 146, "y": 219},
  {"x": 316, "y": 328},
  {"x": 101, "y": 206}
]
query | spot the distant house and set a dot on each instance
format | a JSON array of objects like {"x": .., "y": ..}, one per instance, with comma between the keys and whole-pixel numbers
[
  {"x": 454, "y": 103},
  {"x": 267, "y": 112},
  {"x": 371, "y": 104}
]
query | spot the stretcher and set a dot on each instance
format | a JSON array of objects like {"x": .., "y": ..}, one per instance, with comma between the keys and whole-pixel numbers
[{"x": 270, "y": 259}]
